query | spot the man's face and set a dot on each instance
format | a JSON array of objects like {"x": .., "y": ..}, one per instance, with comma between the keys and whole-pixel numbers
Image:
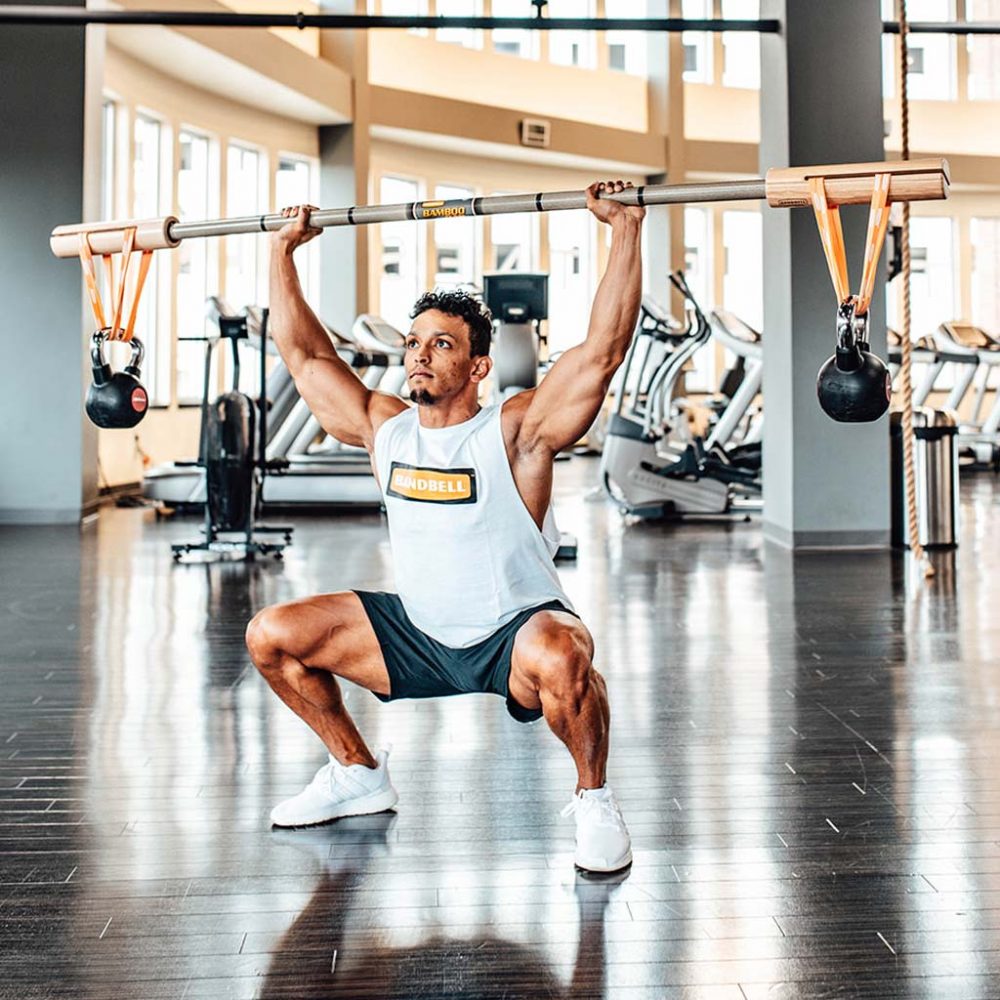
[{"x": 438, "y": 361}]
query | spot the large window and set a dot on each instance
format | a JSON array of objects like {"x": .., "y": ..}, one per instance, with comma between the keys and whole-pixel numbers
[
  {"x": 931, "y": 74},
  {"x": 512, "y": 41},
  {"x": 455, "y": 242},
  {"x": 697, "y": 44},
  {"x": 741, "y": 49},
  {"x": 986, "y": 274},
  {"x": 513, "y": 240},
  {"x": 933, "y": 298},
  {"x": 400, "y": 279},
  {"x": 109, "y": 158},
  {"x": 626, "y": 49},
  {"x": 246, "y": 256},
  {"x": 296, "y": 183},
  {"x": 151, "y": 187},
  {"x": 468, "y": 37},
  {"x": 743, "y": 281},
  {"x": 890, "y": 46},
  {"x": 197, "y": 275},
  {"x": 698, "y": 272},
  {"x": 984, "y": 52},
  {"x": 572, "y": 48},
  {"x": 571, "y": 278},
  {"x": 246, "y": 194}
]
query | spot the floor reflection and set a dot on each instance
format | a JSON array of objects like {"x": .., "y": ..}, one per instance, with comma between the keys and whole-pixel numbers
[
  {"x": 805, "y": 748},
  {"x": 336, "y": 949}
]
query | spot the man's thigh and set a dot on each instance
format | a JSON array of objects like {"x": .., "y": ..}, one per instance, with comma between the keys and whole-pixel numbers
[
  {"x": 543, "y": 634},
  {"x": 332, "y": 632}
]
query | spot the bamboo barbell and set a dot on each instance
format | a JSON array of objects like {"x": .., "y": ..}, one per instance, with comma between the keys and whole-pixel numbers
[{"x": 845, "y": 183}]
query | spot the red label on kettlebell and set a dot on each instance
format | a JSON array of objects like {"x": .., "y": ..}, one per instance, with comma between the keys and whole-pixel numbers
[{"x": 139, "y": 401}]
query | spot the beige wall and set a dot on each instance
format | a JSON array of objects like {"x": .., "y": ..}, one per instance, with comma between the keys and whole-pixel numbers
[{"x": 411, "y": 62}]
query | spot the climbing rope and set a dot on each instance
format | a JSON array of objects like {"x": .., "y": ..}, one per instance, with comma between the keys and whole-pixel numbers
[{"x": 906, "y": 371}]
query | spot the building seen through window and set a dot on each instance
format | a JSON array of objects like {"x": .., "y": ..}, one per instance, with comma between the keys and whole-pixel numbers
[
  {"x": 984, "y": 52},
  {"x": 455, "y": 242},
  {"x": 626, "y": 49},
  {"x": 150, "y": 180},
  {"x": 572, "y": 48},
  {"x": 513, "y": 239},
  {"x": 197, "y": 275},
  {"x": 697, "y": 44},
  {"x": 400, "y": 280},
  {"x": 246, "y": 285},
  {"x": 741, "y": 49},
  {"x": 513, "y": 41}
]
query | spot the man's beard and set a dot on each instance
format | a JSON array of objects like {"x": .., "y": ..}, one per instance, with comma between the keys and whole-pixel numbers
[{"x": 423, "y": 397}]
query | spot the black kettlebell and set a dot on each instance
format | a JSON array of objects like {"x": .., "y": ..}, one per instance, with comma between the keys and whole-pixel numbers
[
  {"x": 854, "y": 386},
  {"x": 116, "y": 399}
]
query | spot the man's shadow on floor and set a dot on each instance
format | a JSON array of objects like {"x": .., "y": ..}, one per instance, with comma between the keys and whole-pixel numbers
[{"x": 337, "y": 947}]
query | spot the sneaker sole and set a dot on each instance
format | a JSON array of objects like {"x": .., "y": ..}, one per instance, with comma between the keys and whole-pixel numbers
[
  {"x": 605, "y": 869},
  {"x": 379, "y": 802}
]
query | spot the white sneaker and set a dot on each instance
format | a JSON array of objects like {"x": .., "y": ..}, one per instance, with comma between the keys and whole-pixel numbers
[
  {"x": 602, "y": 840},
  {"x": 339, "y": 791}
]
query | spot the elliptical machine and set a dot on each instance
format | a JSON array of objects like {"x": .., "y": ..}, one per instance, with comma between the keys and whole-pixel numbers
[
  {"x": 233, "y": 454},
  {"x": 644, "y": 473}
]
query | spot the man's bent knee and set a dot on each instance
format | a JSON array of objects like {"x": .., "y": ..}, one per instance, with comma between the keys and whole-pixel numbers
[
  {"x": 281, "y": 630},
  {"x": 263, "y": 638}
]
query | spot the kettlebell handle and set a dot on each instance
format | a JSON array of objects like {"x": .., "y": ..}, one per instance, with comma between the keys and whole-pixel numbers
[
  {"x": 852, "y": 336},
  {"x": 98, "y": 361}
]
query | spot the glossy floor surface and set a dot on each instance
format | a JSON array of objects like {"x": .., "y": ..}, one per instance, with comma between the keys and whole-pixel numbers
[{"x": 805, "y": 748}]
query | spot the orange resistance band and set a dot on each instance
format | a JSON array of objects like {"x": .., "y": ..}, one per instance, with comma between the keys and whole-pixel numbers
[
  {"x": 831, "y": 235},
  {"x": 878, "y": 222},
  {"x": 90, "y": 278},
  {"x": 93, "y": 289}
]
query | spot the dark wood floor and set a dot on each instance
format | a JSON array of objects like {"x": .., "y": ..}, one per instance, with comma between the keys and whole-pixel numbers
[{"x": 805, "y": 750}]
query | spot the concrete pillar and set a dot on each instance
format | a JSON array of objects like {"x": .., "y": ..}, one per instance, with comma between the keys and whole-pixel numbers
[
  {"x": 344, "y": 169},
  {"x": 825, "y": 484},
  {"x": 665, "y": 227},
  {"x": 49, "y": 174}
]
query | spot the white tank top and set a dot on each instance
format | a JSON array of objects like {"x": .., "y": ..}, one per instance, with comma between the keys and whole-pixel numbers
[{"x": 468, "y": 556}]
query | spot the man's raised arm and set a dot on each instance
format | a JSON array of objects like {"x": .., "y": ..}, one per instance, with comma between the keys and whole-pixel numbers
[
  {"x": 344, "y": 406},
  {"x": 570, "y": 396}
]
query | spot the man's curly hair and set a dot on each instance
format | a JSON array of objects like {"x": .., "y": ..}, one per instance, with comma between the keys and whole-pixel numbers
[{"x": 474, "y": 311}]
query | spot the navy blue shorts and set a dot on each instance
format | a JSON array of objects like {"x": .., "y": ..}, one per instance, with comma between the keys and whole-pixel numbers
[{"x": 422, "y": 667}]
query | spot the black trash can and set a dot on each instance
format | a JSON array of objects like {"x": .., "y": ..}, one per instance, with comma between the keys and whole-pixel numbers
[{"x": 935, "y": 460}]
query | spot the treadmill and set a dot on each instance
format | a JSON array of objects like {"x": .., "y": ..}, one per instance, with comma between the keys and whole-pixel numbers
[
  {"x": 385, "y": 346},
  {"x": 321, "y": 470},
  {"x": 181, "y": 484},
  {"x": 981, "y": 354},
  {"x": 925, "y": 352}
]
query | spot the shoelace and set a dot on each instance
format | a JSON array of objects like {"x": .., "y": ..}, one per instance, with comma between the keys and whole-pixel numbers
[
  {"x": 334, "y": 773},
  {"x": 608, "y": 812}
]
